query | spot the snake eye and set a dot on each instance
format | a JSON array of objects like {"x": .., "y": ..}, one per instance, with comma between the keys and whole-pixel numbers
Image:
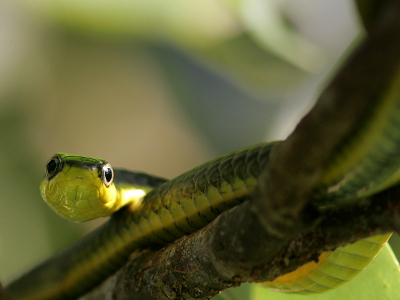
[
  {"x": 52, "y": 167},
  {"x": 107, "y": 175}
]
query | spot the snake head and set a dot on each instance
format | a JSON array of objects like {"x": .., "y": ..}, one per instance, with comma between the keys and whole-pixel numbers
[{"x": 79, "y": 188}]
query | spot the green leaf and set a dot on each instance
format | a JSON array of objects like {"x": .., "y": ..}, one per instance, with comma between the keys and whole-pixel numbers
[
  {"x": 380, "y": 280},
  {"x": 243, "y": 292},
  {"x": 268, "y": 26}
]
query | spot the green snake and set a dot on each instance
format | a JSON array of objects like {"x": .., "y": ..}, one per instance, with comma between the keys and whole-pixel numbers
[{"x": 147, "y": 210}]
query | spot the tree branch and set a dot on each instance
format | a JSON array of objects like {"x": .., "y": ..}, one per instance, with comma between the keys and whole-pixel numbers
[
  {"x": 297, "y": 164},
  {"x": 255, "y": 241},
  {"x": 370, "y": 10},
  {"x": 200, "y": 265},
  {"x": 3, "y": 294}
]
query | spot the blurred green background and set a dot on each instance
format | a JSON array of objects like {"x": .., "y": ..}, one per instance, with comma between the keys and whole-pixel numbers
[{"x": 158, "y": 86}]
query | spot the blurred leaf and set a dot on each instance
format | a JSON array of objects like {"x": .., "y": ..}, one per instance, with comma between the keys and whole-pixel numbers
[
  {"x": 227, "y": 116},
  {"x": 269, "y": 28},
  {"x": 249, "y": 40},
  {"x": 188, "y": 23},
  {"x": 380, "y": 280},
  {"x": 250, "y": 66}
]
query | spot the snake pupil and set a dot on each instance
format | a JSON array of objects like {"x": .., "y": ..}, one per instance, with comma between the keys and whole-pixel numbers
[
  {"x": 107, "y": 175},
  {"x": 51, "y": 167}
]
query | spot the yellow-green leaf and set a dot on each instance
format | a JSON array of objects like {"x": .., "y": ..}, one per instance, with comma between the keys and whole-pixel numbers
[{"x": 380, "y": 280}]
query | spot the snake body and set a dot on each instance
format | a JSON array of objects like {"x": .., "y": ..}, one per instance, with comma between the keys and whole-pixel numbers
[
  {"x": 366, "y": 162},
  {"x": 176, "y": 208}
]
